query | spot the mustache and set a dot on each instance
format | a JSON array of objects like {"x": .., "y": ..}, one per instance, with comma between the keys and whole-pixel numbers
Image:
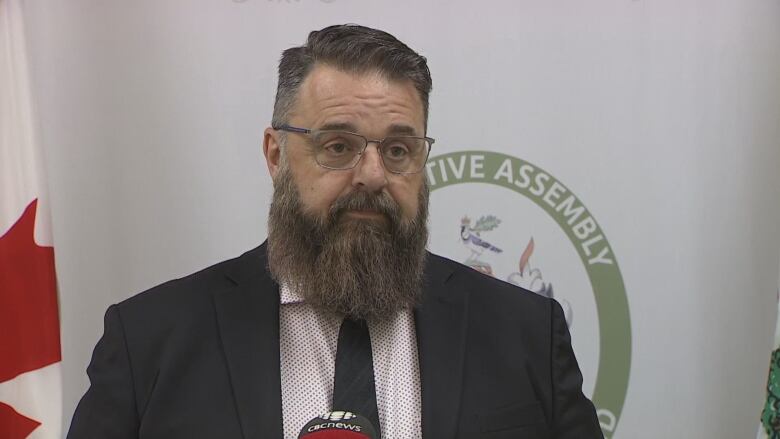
[{"x": 381, "y": 203}]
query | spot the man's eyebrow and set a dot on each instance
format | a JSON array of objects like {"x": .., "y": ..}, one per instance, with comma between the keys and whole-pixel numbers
[
  {"x": 338, "y": 126},
  {"x": 401, "y": 130},
  {"x": 392, "y": 130}
]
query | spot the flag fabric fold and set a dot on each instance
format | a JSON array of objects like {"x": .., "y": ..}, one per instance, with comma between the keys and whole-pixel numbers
[
  {"x": 770, "y": 415},
  {"x": 30, "y": 354}
]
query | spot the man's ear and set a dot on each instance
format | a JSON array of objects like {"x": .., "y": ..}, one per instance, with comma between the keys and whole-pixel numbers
[{"x": 272, "y": 150}]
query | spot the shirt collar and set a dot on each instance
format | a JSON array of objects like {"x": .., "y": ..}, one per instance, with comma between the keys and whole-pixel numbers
[{"x": 287, "y": 296}]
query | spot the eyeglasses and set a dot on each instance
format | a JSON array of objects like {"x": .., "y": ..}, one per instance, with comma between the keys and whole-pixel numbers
[{"x": 341, "y": 150}]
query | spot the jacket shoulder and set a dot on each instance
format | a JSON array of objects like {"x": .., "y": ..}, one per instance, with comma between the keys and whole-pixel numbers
[
  {"x": 486, "y": 287},
  {"x": 177, "y": 295}
]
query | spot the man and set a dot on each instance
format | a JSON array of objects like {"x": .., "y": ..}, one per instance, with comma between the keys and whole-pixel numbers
[{"x": 342, "y": 308}]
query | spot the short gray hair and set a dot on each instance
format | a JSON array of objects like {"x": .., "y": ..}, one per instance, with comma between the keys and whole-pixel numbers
[{"x": 350, "y": 48}]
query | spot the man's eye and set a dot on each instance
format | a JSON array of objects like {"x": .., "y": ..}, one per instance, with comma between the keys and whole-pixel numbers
[
  {"x": 396, "y": 151},
  {"x": 337, "y": 148}
]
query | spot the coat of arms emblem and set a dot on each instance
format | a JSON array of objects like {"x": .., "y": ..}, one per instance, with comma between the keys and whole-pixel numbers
[{"x": 526, "y": 276}]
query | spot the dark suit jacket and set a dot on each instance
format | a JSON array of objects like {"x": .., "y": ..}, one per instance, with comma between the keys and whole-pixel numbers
[{"x": 198, "y": 357}]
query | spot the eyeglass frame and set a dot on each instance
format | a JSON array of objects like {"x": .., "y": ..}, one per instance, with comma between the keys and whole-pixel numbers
[{"x": 429, "y": 141}]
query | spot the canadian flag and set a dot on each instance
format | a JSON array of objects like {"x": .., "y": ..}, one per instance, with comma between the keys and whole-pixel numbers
[{"x": 30, "y": 378}]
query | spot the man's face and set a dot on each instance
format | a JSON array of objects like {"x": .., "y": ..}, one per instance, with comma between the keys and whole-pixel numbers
[
  {"x": 367, "y": 104},
  {"x": 352, "y": 242}
]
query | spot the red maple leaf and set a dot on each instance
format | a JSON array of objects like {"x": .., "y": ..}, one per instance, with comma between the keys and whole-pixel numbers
[
  {"x": 29, "y": 320},
  {"x": 13, "y": 425}
]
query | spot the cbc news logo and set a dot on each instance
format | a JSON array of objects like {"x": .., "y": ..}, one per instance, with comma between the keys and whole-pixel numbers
[{"x": 337, "y": 416}]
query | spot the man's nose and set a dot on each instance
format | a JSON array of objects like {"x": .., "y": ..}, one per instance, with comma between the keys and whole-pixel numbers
[{"x": 370, "y": 173}]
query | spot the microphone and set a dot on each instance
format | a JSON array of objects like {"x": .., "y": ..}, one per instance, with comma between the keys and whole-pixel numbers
[{"x": 338, "y": 425}]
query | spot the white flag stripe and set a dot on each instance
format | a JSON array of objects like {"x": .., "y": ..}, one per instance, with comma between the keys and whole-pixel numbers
[
  {"x": 21, "y": 164},
  {"x": 37, "y": 395}
]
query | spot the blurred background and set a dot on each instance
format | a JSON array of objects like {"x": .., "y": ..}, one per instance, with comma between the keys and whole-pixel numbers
[{"x": 657, "y": 120}]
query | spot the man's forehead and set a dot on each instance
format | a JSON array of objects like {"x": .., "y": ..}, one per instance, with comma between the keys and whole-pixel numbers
[{"x": 327, "y": 87}]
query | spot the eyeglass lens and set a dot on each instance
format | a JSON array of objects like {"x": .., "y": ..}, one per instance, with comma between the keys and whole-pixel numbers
[{"x": 341, "y": 150}]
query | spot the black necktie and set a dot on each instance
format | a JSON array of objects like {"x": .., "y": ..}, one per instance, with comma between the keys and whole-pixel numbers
[{"x": 353, "y": 384}]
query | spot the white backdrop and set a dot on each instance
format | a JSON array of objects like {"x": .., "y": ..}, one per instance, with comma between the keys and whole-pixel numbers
[{"x": 662, "y": 117}]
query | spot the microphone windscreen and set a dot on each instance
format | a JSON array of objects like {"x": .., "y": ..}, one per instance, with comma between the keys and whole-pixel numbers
[{"x": 338, "y": 425}]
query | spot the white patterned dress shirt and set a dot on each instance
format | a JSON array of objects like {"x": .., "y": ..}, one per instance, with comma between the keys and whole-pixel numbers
[{"x": 308, "y": 343}]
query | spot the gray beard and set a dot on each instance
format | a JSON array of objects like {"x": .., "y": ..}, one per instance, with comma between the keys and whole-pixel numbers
[{"x": 360, "y": 268}]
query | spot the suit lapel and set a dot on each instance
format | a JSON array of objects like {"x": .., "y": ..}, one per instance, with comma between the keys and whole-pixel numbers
[
  {"x": 248, "y": 319},
  {"x": 441, "y": 334}
]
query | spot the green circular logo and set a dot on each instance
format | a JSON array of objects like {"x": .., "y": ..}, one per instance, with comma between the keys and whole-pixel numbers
[{"x": 588, "y": 239}]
